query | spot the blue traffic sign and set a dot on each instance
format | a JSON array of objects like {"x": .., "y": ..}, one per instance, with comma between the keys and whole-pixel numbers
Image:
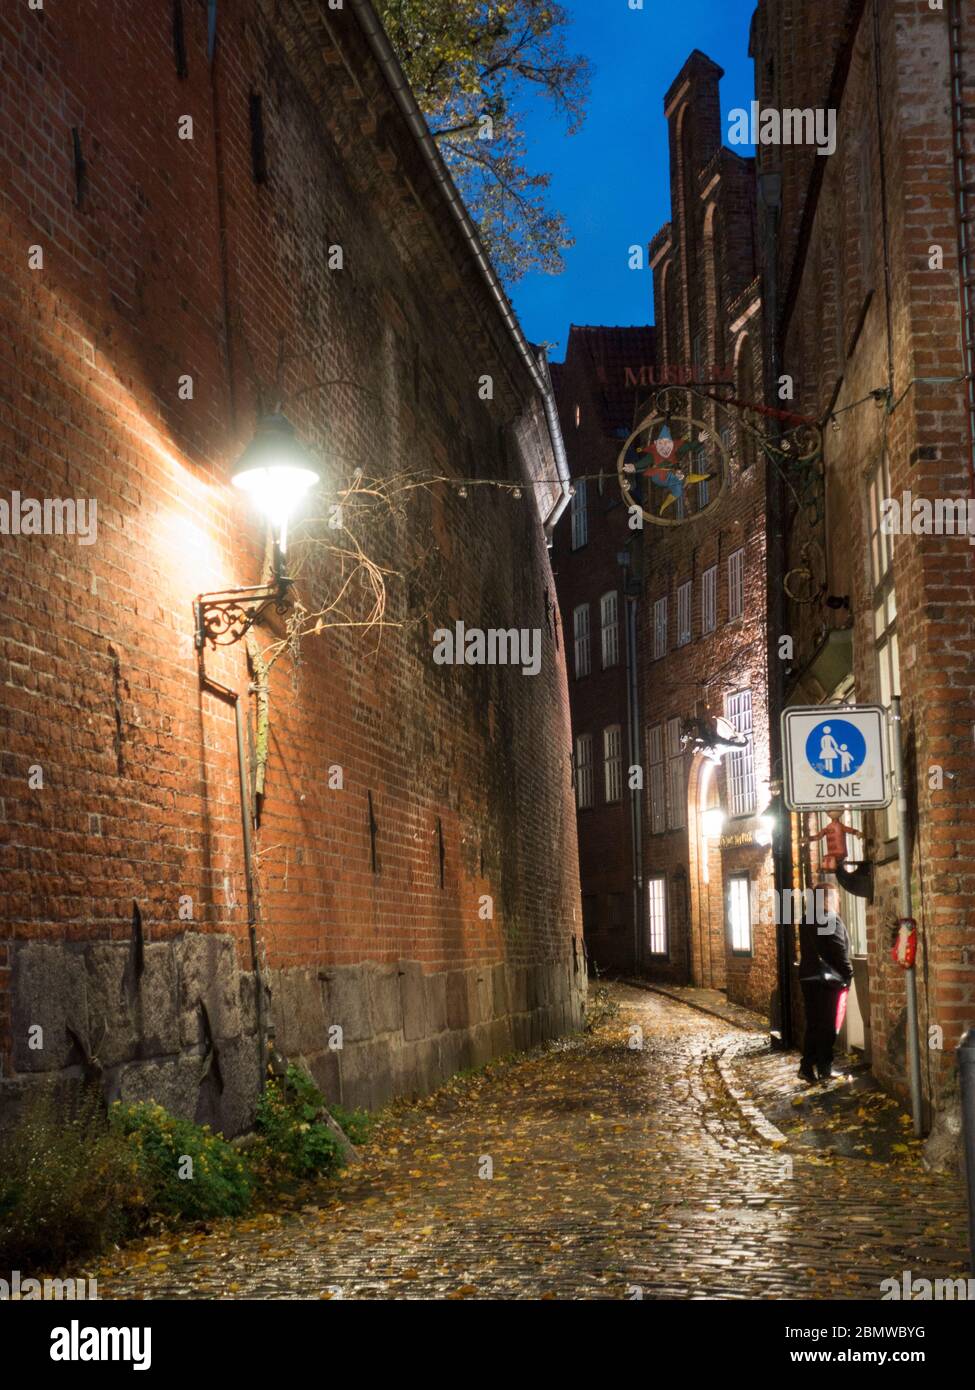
[{"x": 836, "y": 748}]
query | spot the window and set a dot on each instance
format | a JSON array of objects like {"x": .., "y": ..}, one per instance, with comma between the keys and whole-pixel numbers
[
  {"x": 884, "y": 608},
  {"x": 655, "y": 783},
  {"x": 584, "y": 772},
  {"x": 657, "y": 915},
  {"x": 709, "y": 599},
  {"x": 580, "y": 631},
  {"x": 616, "y": 907},
  {"x": 675, "y": 777},
  {"x": 660, "y": 628},
  {"x": 613, "y": 763},
  {"x": 740, "y": 764},
  {"x": 736, "y": 584},
  {"x": 739, "y": 915},
  {"x": 580, "y": 514},
  {"x": 609, "y": 620},
  {"x": 684, "y": 614}
]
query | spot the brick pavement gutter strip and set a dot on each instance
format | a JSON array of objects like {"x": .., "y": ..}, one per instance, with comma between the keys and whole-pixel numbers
[{"x": 762, "y": 1126}]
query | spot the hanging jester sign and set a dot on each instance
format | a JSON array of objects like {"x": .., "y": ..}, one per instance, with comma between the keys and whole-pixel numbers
[{"x": 672, "y": 468}]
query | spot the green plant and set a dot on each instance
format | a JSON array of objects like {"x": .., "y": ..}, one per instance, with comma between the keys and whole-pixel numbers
[
  {"x": 293, "y": 1135},
  {"x": 67, "y": 1182},
  {"x": 186, "y": 1170},
  {"x": 356, "y": 1125},
  {"x": 601, "y": 1008}
]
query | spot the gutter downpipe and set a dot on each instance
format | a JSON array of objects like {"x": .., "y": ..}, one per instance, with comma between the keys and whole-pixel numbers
[
  {"x": 381, "y": 47},
  {"x": 232, "y": 697}
]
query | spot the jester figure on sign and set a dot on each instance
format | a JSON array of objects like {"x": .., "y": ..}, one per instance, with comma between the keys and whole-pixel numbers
[{"x": 665, "y": 468}]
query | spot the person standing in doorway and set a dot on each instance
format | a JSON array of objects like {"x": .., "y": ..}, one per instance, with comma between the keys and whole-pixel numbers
[{"x": 825, "y": 973}]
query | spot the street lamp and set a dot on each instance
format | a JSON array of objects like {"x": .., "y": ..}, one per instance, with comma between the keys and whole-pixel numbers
[{"x": 275, "y": 471}]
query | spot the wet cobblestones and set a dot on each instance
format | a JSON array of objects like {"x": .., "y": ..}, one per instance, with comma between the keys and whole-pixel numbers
[{"x": 618, "y": 1173}]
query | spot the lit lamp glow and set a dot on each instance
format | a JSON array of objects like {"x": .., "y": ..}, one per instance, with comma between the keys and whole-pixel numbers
[
  {"x": 713, "y": 821},
  {"x": 766, "y": 825},
  {"x": 276, "y": 471}
]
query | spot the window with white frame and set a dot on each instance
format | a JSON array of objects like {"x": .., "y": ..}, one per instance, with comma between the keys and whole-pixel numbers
[
  {"x": 613, "y": 763},
  {"x": 584, "y": 772},
  {"x": 736, "y": 584},
  {"x": 655, "y": 780},
  {"x": 740, "y": 763},
  {"x": 660, "y": 628},
  {"x": 739, "y": 915},
  {"x": 580, "y": 631},
  {"x": 657, "y": 915},
  {"x": 675, "y": 777},
  {"x": 709, "y": 599},
  {"x": 580, "y": 514},
  {"x": 684, "y": 614},
  {"x": 610, "y": 628},
  {"x": 884, "y": 608}
]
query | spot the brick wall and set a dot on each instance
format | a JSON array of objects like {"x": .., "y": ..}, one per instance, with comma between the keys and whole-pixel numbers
[
  {"x": 708, "y": 314},
  {"x": 850, "y": 328},
  {"x": 468, "y": 768}
]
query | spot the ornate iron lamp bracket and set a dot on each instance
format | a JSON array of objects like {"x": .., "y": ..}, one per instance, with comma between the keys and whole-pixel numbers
[{"x": 224, "y": 618}]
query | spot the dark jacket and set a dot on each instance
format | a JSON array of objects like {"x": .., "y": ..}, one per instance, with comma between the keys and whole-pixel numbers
[{"x": 824, "y": 952}]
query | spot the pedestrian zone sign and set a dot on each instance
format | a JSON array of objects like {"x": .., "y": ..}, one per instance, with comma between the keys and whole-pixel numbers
[{"x": 835, "y": 757}]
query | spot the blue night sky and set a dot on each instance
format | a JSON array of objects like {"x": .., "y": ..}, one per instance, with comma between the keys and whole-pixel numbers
[{"x": 611, "y": 180}]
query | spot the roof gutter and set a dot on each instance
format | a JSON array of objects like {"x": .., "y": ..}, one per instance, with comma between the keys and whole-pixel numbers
[{"x": 390, "y": 64}]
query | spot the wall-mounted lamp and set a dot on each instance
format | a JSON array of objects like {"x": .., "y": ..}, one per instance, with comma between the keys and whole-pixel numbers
[{"x": 275, "y": 471}]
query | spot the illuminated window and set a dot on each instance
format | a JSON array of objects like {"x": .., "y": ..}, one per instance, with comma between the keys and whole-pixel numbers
[
  {"x": 610, "y": 629},
  {"x": 675, "y": 777},
  {"x": 655, "y": 781},
  {"x": 657, "y": 915},
  {"x": 740, "y": 763},
  {"x": 736, "y": 584},
  {"x": 709, "y": 599},
  {"x": 584, "y": 772},
  {"x": 580, "y": 514},
  {"x": 613, "y": 764},
  {"x": 884, "y": 608},
  {"x": 580, "y": 632},
  {"x": 684, "y": 614},
  {"x": 739, "y": 915}
]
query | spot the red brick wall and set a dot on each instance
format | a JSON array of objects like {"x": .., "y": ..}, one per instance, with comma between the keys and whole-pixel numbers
[
  {"x": 704, "y": 266},
  {"x": 99, "y": 675},
  {"x": 835, "y": 340}
]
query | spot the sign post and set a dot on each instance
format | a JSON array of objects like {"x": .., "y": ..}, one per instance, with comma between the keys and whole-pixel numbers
[{"x": 835, "y": 757}]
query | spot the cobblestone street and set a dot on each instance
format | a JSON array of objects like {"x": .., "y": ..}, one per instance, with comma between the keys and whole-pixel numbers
[{"x": 617, "y": 1173}]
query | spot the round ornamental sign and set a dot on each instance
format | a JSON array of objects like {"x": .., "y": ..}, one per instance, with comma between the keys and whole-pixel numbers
[{"x": 673, "y": 469}]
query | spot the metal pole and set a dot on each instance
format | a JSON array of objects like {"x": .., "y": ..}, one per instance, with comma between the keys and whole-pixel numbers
[
  {"x": 245, "y": 822},
  {"x": 966, "y": 1070},
  {"x": 904, "y": 865}
]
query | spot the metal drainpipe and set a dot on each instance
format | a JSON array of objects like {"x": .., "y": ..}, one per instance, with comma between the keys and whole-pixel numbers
[
  {"x": 381, "y": 47},
  {"x": 965, "y": 208},
  {"x": 232, "y": 697}
]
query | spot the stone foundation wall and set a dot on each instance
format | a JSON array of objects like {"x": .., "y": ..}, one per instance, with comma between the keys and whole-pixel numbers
[{"x": 183, "y": 1032}]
